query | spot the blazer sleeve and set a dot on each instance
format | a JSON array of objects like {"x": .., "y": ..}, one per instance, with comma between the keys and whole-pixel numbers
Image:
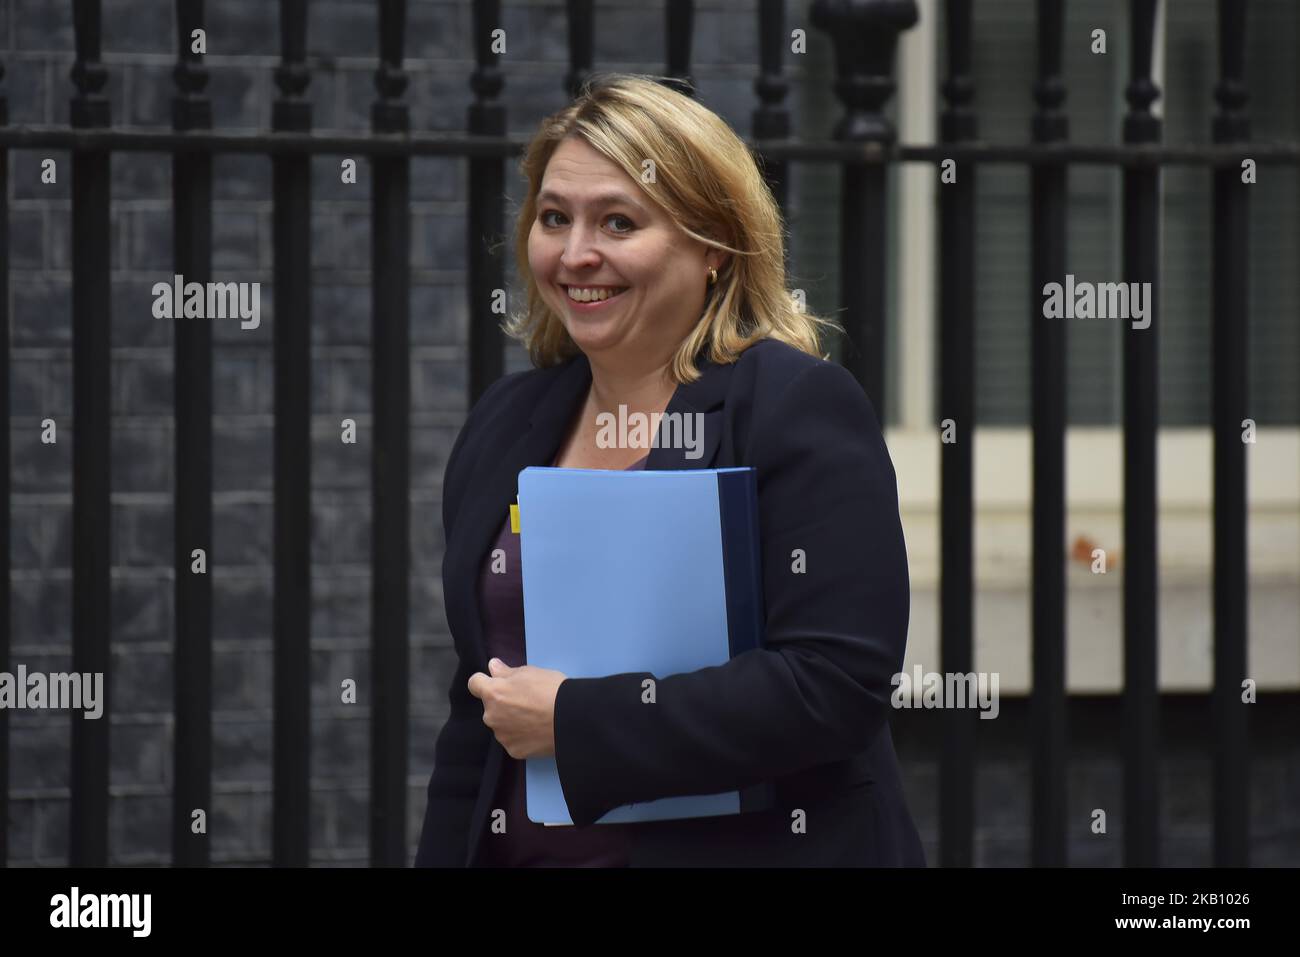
[
  {"x": 459, "y": 757},
  {"x": 818, "y": 690},
  {"x": 462, "y": 746}
]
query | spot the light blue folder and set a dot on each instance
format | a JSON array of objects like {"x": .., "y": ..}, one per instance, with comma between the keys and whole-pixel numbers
[{"x": 630, "y": 571}]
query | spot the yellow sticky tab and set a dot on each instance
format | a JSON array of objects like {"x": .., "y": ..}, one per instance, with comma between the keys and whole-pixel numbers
[{"x": 514, "y": 519}]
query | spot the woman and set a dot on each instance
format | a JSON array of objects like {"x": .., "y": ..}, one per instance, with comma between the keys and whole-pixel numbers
[{"x": 653, "y": 257}]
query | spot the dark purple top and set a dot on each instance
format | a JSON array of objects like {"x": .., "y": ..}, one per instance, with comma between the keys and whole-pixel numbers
[{"x": 526, "y": 844}]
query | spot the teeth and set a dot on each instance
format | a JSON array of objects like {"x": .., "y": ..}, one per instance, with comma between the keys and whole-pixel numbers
[{"x": 591, "y": 295}]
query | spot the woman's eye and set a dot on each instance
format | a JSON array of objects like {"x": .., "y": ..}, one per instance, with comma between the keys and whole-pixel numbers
[{"x": 611, "y": 218}]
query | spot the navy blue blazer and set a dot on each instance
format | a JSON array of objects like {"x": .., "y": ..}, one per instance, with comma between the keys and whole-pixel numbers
[{"x": 804, "y": 720}]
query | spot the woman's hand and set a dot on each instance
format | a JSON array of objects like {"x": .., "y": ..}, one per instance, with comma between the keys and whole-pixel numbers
[{"x": 519, "y": 706}]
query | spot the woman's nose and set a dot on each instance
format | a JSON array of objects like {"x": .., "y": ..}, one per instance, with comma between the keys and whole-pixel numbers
[{"x": 579, "y": 249}]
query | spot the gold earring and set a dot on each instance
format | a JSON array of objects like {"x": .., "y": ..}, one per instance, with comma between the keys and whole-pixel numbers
[{"x": 713, "y": 276}]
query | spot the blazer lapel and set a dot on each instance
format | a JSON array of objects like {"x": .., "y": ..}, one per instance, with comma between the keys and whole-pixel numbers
[
  {"x": 487, "y": 507},
  {"x": 700, "y": 400},
  {"x": 485, "y": 510}
]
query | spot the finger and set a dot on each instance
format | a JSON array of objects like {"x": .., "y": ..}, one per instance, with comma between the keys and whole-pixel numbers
[
  {"x": 474, "y": 688},
  {"x": 497, "y": 667}
]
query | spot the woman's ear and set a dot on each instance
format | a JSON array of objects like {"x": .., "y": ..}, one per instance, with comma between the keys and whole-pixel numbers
[{"x": 717, "y": 258}]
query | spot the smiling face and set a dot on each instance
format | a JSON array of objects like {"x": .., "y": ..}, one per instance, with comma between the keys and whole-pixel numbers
[{"x": 596, "y": 228}]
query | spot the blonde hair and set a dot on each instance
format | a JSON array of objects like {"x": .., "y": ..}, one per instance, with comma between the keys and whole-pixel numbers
[{"x": 707, "y": 181}]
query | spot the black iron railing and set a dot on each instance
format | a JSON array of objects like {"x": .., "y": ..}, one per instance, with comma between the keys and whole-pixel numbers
[{"x": 862, "y": 145}]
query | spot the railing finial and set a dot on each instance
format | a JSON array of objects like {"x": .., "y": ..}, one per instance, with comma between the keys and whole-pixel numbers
[
  {"x": 1140, "y": 124},
  {"x": 1049, "y": 122},
  {"x": 191, "y": 108},
  {"x": 291, "y": 111},
  {"x": 89, "y": 105},
  {"x": 389, "y": 114},
  {"x": 865, "y": 34},
  {"x": 581, "y": 20},
  {"x": 957, "y": 121},
  {"x": 1231, "y": 122}
]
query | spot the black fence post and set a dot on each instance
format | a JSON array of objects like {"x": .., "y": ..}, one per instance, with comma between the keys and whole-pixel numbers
[
  {"x": 582, "y": 29},
  {"x": 957, "y": 408},
  {"x": 91, "y": 463},
  {"x": 291, "y": 236},
  {"x": 192, "y": 382},
  {"x": 1231, "y": 327},
  {"x": 390, "y": 272},
  {"x": 6, "y": 488},
  {"x": 1141, "y": 415},
  {"x": 1048, "y": 201},
  {"x": 771, "y": 120},
  {"x": 865, "y": 35},
  {"x": 487, "y": 117},
  {"x": 679, "y": 23}
]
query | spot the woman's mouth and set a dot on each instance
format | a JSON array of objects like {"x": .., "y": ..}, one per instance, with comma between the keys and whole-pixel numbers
[{"x": 591, "y": 298}]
